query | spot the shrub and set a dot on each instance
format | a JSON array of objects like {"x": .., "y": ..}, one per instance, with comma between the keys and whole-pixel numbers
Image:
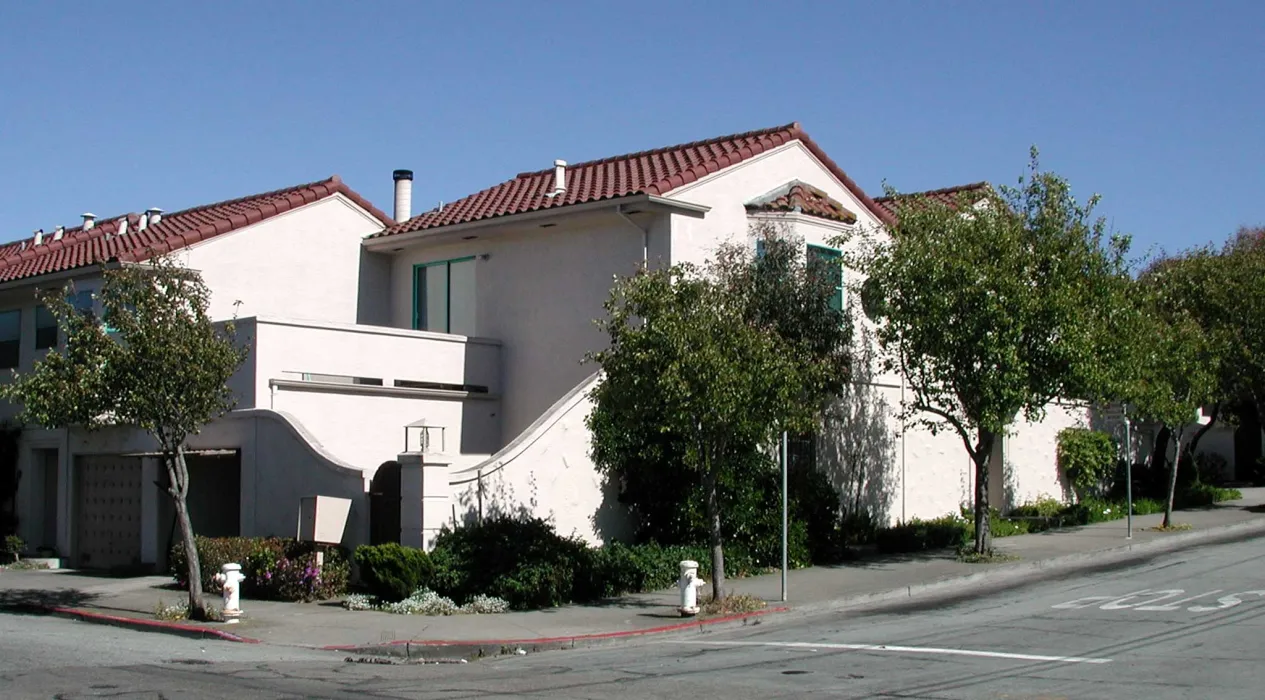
[
  {"x": 1088, "y": 460},
  {"x": 1199, "y": 495},
  {"x": 1044, "y": 507},
  {"x": 393, "y": 572},
  {"x": 275, "y": 568},
  {"x": 521, "y": 560},
  {"x": 921, "y": 535},
  {"x": 13, "y": 546}
]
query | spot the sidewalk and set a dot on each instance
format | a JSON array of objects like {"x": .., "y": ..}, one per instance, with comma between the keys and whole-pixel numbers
[{"x": 131, "y": 602}]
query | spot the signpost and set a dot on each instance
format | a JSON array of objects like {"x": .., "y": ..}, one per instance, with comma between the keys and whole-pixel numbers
[{"x": 784, "y": 523}]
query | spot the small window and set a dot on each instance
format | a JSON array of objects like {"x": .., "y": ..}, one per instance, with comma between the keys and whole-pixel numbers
[
  {"x": 444, "y": 297},
  {"x": 45, "y": 328},
  {"x": 10, "y": 339},
  {"x": 82, "y": 302},
  {"x": 827, "y": 261}
]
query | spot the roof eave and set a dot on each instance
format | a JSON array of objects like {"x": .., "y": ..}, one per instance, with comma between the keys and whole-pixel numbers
[{"x": 650, "y": 202}]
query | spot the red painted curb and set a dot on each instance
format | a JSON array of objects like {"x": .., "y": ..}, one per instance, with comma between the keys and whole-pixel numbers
[
  {"x": 149, "y": 625},
  {"x": 573, "y": 639}
]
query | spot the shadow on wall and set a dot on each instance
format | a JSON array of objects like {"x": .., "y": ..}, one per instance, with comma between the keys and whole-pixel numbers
[
  {"x": 856, "y": 448},
  {"x": 493, "y": 496},
  {"x": 611, "y": 522}
]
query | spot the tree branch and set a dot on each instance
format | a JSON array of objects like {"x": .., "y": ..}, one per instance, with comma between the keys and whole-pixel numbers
[{"x": 952, "y": 420}]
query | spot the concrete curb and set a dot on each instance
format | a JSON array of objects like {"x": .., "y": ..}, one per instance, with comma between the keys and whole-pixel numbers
[
  {"x": 432, "y": 650},
  {"x": 1024, "y": 573},
  {"x": 177, "y": 628},
  {"x": 1000, "y": 577}
]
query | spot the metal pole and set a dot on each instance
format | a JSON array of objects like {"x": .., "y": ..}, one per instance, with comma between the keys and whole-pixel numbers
[
  {"x": 784, "y": 518},
  {"x": 1128, "y": 471}
]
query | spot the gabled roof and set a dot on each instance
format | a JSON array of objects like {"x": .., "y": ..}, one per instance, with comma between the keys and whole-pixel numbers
[
  {"x": 101, "y": 243},
  {"x": 655, "y": 172},
  {"x": 945, "y": 195},
  {"x": 801, "y": 197}
]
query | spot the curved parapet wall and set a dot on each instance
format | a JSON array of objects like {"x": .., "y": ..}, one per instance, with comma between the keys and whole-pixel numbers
[{"x": 546, "y": 472}]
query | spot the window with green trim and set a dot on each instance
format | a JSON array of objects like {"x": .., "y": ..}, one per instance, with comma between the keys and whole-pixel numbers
[
  {"x": 444, "y": 296},
  {"x": 827, "y": 261},
  {"x": 10, "y": 338},
  {"x": 45, "y": 328}
]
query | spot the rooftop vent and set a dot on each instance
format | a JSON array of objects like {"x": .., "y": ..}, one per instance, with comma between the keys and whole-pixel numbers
[
  {"x": 403, "y": 194},
  {"x": 39, "y": 236},
  {"x": 559, "y": 178},
  {"x": 155, "y": 215},
  {"x": 89, "y": 220}
]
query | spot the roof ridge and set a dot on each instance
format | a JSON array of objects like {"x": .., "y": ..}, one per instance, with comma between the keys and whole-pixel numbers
[
  {"x": 793, "y": 126},
  {"x": 943, "y": 190},
  {"x": 333, "y": 179}
]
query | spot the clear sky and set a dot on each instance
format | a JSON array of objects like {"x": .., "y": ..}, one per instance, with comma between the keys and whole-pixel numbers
[{"x": 118, "y": 106}]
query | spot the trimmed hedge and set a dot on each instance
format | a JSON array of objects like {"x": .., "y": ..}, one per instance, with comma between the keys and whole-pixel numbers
[
  {"x": 392, "y": 572},
  {"x": 275, "y": 568}
]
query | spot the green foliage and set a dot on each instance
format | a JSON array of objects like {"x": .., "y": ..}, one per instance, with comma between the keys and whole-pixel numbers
[
  {"x": 923, "y": 535},
  {"x": 154, "y": 361},
  {"x": 686, "y": 363},
  {"x": 14, "y": 546},
  {"x": 643, "y": 436},
  {"x": 1088, "y": 459},
  {"x": 1199, "y": 495},
  {"x": 521, "y": 560},
  {"x": 275, "y": 568},
  {"x": 393, "y": 572},
  {"x": 1044, "y": 507},
  {"x": 994, "y": 314}
]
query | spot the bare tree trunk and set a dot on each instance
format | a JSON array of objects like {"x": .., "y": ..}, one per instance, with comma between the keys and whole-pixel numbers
[
  {"x": 178, "y": 477},
  {"x": 713, "y": 520},
  {"x": 983, "y": 454},
  {"x": 1203, "y": 429},
  {"x": 1172, "y": 485}
]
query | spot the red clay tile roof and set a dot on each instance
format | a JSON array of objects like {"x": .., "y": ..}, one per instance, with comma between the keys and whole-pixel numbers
[
  {"x": 801, "y": 197},
  {"x": 655, "y": 172},
  {"x": 78, "y": 248},
  {"x": 946, "y": 195}
]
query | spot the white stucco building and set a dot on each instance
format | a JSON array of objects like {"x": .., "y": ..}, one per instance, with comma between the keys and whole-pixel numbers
[{"x": 429, "y": 368}]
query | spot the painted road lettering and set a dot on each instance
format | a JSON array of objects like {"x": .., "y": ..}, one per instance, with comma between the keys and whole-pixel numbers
[{"x": 1161, "y": 601}]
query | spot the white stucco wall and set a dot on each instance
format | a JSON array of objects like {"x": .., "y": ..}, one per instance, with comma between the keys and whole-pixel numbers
[
  {"x": 279, "y": 466},
  {"x": 365, "y": 425},
  {"x": 539, "y": 292},
  {"x": 305, "y": 263},
  {"x": 546, "y": 472}
]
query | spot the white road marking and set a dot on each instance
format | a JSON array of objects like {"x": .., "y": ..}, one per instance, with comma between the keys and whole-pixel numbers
[
  {"x": 906, "y": 650},
  {"x": 1150, "y": 601}
]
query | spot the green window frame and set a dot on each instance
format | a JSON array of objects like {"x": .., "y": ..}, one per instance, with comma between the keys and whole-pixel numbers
[
  {"x": 423, "y": 311},
  {"x": 10, "y": 338},
  {"x": 45, "y": 328},
  {"x": 830, "y": 256}
]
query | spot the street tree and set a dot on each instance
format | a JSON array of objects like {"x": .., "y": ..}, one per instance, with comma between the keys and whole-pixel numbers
[
  {"x": 154, "y": 361},
  {"x": 992, "y": 306},
  {"x": 1175, "y": 366},
  {"x": 682, "y": 357},
  {"x": 775, "y": 286}
]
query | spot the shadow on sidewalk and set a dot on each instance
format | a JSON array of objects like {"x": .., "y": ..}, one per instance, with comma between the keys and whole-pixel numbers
[{"x": 35, "y": 601}]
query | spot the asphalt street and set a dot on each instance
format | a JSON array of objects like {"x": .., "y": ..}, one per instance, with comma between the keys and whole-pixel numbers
[{"x": 1187, "y": 625}]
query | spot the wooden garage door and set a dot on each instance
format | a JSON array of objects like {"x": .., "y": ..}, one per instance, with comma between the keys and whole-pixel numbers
[{"x": 109, "y": 513}]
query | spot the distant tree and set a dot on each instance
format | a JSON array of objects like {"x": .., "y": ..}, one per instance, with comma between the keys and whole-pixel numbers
[
  {"x": 684, "y": 359},
  {"x": 996, "y": 310},
  {"x": 154, "y": 361}
]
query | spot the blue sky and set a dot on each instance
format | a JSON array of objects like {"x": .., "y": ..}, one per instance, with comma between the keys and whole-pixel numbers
[{"x": 119, "y": 106}]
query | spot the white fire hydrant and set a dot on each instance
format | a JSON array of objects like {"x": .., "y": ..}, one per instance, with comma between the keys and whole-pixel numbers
[
  {"x": 230, "y": 578},
  {"x": 689, "y": 583}
]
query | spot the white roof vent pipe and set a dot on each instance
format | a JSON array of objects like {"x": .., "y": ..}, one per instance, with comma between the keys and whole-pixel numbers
[
  {"x": 61, "y": 231},
  {"x": 39, "y": 236},
  {"x": 89, "y": 220},
  {"x": 155, "y": 215},
  {"x": 403, "y": 195},
  {"x": 123, "y": 226},
  {"x": 559, "y": 177},
  {"x": 143, "y": 223}
]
